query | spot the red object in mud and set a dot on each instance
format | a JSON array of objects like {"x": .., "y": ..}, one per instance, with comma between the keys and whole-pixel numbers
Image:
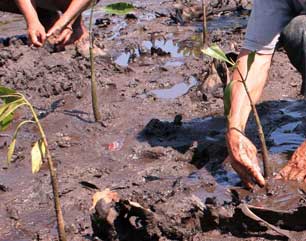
[{"x": 116, "y": 145}]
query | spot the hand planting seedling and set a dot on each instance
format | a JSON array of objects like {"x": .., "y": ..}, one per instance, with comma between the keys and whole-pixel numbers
[{"x": 215, "y": 52}]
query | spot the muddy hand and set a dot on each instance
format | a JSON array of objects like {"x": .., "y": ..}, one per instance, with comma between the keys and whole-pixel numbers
[
  {"x": 243, "y": 158},
  {"x": 296, "y": 167}
]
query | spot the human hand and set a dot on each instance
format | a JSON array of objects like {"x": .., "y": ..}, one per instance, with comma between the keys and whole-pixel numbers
[
  {"x": 243, "y": 158},
  {"x": 60, "y": 37},
  {"x": 296, "y": 167},
  {"x": 37, "y": 34}
]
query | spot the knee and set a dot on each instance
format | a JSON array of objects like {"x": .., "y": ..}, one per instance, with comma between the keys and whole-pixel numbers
[{"x": 294, "y": 32}]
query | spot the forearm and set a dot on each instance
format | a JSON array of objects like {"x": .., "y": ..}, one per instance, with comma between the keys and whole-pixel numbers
[
  {"x": 27, "y": 8},
  {"x": 75, "y": 8},
  {"x": 240, "y": 104}
]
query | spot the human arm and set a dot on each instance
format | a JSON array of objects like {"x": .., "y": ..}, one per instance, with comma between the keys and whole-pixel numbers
[
  {"x": 75, "y": 8},
  {"x": 36, "y": 31},
  {"x": 242, "y": 151},
  {"x": 296, "y": 167}
]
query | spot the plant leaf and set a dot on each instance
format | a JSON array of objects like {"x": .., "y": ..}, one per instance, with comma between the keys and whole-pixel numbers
[
  {"x": 37, "y": 154},
  {"x": 4, "y": 94},
  {"x": 119, "y": 8},
  {"x": 227, "y": 98},
  {"x": 215, "y": 52},
  {"x": 11, "y": 150},
  {"x": 13, "y": 143},
  {"x": 251, "y": 58},
  {"x": 10, "y": 108},
  {"x": 6, "y": 122}
]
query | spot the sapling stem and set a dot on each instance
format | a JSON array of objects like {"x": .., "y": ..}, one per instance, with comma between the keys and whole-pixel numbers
[
  {"x": 205, "y": 32},
  {"x": 94, "y": 96},
  {"x": 265, "y": 154},
  {"x": 54, "y": 182}
]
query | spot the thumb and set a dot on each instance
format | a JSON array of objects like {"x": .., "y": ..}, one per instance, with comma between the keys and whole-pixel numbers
[{"x": 35, "y": 40}]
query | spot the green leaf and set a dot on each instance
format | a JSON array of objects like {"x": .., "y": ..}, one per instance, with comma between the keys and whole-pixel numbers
[
  {"x": 119, "y": 8},
  {"x": 215, "y": 52},
  {"x": 10, "y": 151},
  {"x": 251, "y": 58},
  {"x": 6, "y": 122},
  {"x": 13, "y": 143},
  {"x": 10, "y": 108},
  {"x": 227, "y": 98},
  {"x": 5, "y": 94},
  {"x": 37, "y": 154}
]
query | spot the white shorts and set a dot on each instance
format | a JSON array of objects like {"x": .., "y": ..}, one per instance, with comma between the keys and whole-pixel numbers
[{"x": 267, "y": 20}]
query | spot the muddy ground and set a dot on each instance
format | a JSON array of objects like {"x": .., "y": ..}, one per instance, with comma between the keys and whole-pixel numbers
[{"x": 168, "y": 125}]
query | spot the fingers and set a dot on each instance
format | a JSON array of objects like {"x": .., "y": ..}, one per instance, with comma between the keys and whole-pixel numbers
[
  {"x": 249, "y": 173},
  {"x": 244, "y": 159},
  {"x": 249, "y": 161},
  {"x": 43, "y": 37},
  {"x": 64, "y": 37},
  {"x": 36, "y": 39},
  {"x": 300, "y": 177},
  {"x": 52, "y": 31},
  {"x": 245, "y": 177},
  {"x": 60, "y": 38}
]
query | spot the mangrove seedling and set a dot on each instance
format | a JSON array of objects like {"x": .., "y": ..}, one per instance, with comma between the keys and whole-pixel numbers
[
  {"x": 215, "y": 52},
  {"x": 205, "y": 32},
  {"x": 94, "y": 96},
  {"x": 11, "y": 101},
  {"x": 116, "y": 8}
]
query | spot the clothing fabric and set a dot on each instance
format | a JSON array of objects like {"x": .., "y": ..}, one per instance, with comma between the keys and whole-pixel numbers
[
  {"x": 267, "y": 20},
  {"x": 46, "y": 4}
]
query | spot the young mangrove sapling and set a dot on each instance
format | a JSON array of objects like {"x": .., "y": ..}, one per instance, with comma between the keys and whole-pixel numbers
[
  {"x": 12, "y": 101},
  {"x": 215, "y": 52}
]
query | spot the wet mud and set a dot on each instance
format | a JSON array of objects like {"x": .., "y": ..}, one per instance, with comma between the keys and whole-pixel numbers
[{"x": 161, "y": 154}]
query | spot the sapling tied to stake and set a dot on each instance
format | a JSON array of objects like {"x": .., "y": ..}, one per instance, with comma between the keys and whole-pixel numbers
[
  {"x": 215, "y": 52},
  {"x": 11, "y": 101}
]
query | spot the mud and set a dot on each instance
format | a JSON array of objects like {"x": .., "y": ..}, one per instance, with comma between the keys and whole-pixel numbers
[{"x": 156, "y": 103}]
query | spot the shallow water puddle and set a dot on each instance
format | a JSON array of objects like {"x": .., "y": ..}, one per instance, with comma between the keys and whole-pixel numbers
[
  {"x": 124, "y": 58},
  {"x": 285, "y": 139},
  {"x": 175, "y": 91},
  {"x": 224, "y": 22}
]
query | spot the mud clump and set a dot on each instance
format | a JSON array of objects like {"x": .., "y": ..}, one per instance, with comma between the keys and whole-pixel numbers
[{"x": 50, "y": 74}]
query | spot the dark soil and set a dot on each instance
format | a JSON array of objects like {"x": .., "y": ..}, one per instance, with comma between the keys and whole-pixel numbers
[{"x": 171, "y": 143}]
